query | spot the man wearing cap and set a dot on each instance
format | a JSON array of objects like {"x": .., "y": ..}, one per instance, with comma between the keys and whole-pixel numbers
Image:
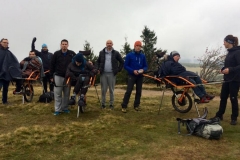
[
  {"x": 109, "y": 63},
  {"x": 172, "y": 67},
  {"x": 46, "y": 60},
  {"x": 135, "y": 64}
]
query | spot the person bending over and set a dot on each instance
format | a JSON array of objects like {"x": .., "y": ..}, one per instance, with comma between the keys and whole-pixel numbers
[{"x": 80, "y": 71}]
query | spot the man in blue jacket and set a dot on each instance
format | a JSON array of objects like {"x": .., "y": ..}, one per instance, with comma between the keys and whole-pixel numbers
[{"x": 135, "y": 64}]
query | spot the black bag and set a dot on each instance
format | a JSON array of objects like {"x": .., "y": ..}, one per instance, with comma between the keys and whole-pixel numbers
[
  {"x": 207, "y": 128},
  {"x": 46, "y": 97}
]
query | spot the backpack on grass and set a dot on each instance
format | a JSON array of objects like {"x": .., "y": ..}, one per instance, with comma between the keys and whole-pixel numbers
[
  {"x": 46, "y": 97},
  {"x": 202, "y": 127}
]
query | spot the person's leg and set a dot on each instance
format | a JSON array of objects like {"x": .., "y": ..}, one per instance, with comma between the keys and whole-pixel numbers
[
  {"x": 66, "y": 94},
  {"x": 77, "y": 86},
  {"x": 104, "y": 85},
  {"x": 45, "y": 81},
  {"x": 197, "y": 90},
  {"x": 131, "y": 82},
  {"x": 223, "y": 102},
  {"x": 138, "y": 95},
  {"x": 5, "y": 91},
  {"x": 1, "y": 84},
  {"x": 111, "y": 83},
  {"x": 234, "y": 88},
  {"x": 58, "y": 93},
  {"x": 85, "y": 84},
  {"x": 201, "y": 87},
  {"x": 51, "y": 86}
]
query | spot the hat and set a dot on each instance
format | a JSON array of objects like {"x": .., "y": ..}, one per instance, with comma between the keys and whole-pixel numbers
[
  {"x": 138, "y": 43},
  {"x": 44, "y": 46},
  {"x": 174, "y": 53},
  {"x": 79, "y": 57}
]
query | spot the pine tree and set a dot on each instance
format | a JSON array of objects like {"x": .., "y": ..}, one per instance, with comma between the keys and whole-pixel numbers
[
  {"x": 87, "y": 47},
  {"x": 126, "y": 49},
  {"x": 149, "y": 40}
]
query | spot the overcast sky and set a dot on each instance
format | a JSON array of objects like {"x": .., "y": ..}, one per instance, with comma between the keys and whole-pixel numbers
[{"x": 187, "y": 26}]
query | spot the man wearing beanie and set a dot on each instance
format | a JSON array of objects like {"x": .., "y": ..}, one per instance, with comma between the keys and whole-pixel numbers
[
  {"x": 46, "y": 60},
  {"x": 59, "y": 63},
  {"x": 135, "y": 64},
  {"x": 172, "y": 67},
  {"x": 80, "y": 72},
  {"x": 109, "y": 63}
]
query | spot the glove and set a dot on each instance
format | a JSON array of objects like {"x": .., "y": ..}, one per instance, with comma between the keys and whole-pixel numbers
[{"x": 34, "y": 39}]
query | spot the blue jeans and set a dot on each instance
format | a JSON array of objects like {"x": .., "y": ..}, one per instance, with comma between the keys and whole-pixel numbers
[
  {"x": 199, "y": 90},
  {"x": 4, "y": 84}
]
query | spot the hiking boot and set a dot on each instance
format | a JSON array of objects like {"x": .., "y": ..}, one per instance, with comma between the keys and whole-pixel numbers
[
  {"x": 204, "y": 100},
  {"x": 81, "y": 101},
  {"x": 124, "y": 110},
  {"x": 56, "y": 113},
  {"x": 216, "y": 119},
  {"x": 137, "y": 108},
  {"x": 209, "y": 97},
  {"x": 233, "y": 122},
  {"x": 111, "y": 107},
  {"x": 72, "y": 100},
  {"x": 15, "y": 92},
  {"x": 103, "y": 106},
  {"x": 66, "y": 111}
]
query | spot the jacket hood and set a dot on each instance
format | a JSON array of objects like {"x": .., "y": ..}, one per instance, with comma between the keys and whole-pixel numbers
[{"x": 234, "y": 48}]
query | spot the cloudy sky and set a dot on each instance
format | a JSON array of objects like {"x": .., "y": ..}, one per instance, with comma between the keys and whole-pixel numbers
[{"x": 188, "y": 26}]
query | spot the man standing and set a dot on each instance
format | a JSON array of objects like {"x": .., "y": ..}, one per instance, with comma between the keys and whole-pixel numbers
[
  {"x": 109, "y": 64},
  {"x": 7, "y": 59},
  {"x": 135, "y": 64},
  {"x": 46, "y": 60},
  {"x": 59, "y": 64}
]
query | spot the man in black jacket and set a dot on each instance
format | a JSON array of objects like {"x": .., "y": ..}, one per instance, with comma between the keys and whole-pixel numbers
[
  {"x": 109, "y": 64},
  {"x": 59, "y": 64},
  {"x": 46, "y": 60},
  {"x": 7, "y": 60}
]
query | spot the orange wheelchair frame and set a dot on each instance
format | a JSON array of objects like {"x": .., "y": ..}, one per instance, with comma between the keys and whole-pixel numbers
[
  {"x": 181, "y": 100},
  {"x": 27, "y": 87}
]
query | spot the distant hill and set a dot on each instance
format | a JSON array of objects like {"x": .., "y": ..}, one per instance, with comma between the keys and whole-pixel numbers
[{"x": 190, "y": 64}]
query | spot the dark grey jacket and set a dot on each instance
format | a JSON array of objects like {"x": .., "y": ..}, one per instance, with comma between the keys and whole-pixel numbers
[{"x": 117, "y": 61}]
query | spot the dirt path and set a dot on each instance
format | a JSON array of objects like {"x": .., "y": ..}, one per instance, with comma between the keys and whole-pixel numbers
[{"x": 154, "y": 93}]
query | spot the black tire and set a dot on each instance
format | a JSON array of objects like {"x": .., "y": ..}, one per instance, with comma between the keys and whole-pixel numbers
[
  {"x": 184, "y": 106},
  {"x": 28, "y": 92}
]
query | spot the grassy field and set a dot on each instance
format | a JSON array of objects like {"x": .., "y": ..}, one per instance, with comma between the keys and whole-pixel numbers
[{"x": 30, "y": 131}]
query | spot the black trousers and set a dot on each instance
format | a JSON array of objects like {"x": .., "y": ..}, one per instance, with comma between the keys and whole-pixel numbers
[
  {"x": 4, "y": 85},
  {"x": 47, "y": 80},
  {"x": 138, "y": 80},
  {"x": 230, "y": 88},
  {"x": 81, "y": 85}
]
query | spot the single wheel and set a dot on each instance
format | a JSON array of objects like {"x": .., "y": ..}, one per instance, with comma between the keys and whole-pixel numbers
[
  {"x": 28, "y": 92},
  {"x": 182, "y": 102}
]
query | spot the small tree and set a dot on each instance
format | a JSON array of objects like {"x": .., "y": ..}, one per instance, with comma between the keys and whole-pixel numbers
[
  {"x": 149, "y": 41},
  {"x": 126, "y": 49},
  {"x": 211, "y": 63},
  {"x": 122, "y": 77},
  {"x": 87, "y": 47}
]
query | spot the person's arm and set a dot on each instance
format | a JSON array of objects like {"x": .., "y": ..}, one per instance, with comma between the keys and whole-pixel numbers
[
  {"x": 236, "y": 69},
  {"x": 145, "y": 66},
  {"x": 33, "y": 47},
  {"x": 121, "y": 62},
  {"x": 52, "y": 66},
  {"x": 127, "y": 64}
]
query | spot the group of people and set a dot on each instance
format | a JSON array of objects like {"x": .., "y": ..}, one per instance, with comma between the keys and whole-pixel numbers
[{"x": 65, "y": 63}]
